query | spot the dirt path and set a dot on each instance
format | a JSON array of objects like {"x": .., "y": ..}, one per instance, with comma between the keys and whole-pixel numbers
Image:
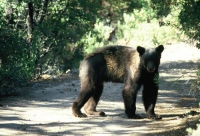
[{"x": 45, "y": 108}]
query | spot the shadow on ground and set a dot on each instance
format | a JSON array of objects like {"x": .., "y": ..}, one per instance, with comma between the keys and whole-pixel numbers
[{"x": 46, "y": 109}]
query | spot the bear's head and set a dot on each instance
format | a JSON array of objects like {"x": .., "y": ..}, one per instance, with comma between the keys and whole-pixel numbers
[{"x": 150, "y": 58}]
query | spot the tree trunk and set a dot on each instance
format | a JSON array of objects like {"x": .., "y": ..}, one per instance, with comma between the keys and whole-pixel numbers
[{"x": 29, "y": 21}]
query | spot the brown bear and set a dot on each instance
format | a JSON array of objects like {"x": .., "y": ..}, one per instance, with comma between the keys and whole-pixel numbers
[{"x": 119, "y": 64}]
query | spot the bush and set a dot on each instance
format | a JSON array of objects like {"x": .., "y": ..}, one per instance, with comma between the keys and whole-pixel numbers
[
  {"x": 62, "y": 32},
  {"x": 138, "y": 31},
  {"x": 17, "y": 61},
  {"x": 134, "y": 30}
]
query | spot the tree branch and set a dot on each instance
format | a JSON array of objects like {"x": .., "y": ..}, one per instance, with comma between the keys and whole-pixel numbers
[{"x": 44, "y": 11}]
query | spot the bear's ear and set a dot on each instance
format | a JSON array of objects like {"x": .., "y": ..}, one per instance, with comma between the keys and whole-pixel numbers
[
  {"x": 160, "y": 49},
  {"x": 140, "y": 50}
]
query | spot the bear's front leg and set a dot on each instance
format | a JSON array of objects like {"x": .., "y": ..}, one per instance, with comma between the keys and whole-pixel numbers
[
  {"x": 150, "y": 93},
  {"x": 129, "y": 94}
]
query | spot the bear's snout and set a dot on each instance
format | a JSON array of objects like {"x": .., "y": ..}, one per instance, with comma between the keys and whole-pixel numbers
[{"x": 150, "y": 67}]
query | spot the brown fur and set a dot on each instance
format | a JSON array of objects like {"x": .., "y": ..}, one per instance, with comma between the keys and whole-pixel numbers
[{"x": 117, "y": 64}]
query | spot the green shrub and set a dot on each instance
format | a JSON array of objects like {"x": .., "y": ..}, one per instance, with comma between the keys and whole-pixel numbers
[
  {"x": 135, "y": 30},
  {"x": 96, "y": 38},
  {"x": 17, "y": 63},
  {"x": 144, "y": 33},
  {"x": 64, "y": 31}
]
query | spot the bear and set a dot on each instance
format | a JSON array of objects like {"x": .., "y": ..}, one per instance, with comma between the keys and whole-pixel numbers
[{"x": 120, "y": 64}]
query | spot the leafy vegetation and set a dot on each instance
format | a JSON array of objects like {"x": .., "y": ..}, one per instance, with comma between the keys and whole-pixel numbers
[
  {"x": 51, "y": 36},
  {"x": 40, "y": 37},
  {"x": 156, "y": 79}
]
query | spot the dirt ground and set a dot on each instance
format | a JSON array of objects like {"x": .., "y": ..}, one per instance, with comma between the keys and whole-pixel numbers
[{"x": 44, "y": 107}]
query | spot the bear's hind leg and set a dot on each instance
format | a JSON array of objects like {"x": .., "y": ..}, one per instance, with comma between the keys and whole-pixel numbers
[
  {"x": 90, "y": 106},
  {"x": 85, "y": 94}
]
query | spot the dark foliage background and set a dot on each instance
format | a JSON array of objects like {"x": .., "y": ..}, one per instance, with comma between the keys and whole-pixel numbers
[{"x": 51, "y": 36}]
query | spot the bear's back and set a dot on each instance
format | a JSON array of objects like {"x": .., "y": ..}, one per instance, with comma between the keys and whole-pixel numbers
[
  {"x": 116, "y": 58},
  {"x": 110, "y": 50}
]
